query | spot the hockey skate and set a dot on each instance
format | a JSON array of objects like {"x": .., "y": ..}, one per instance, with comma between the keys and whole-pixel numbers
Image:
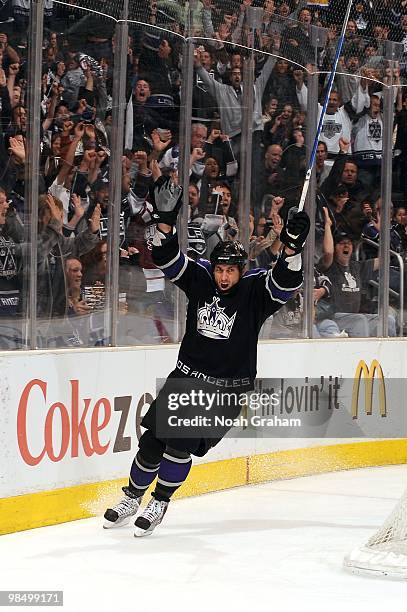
[
  {"x": 151, "y": 516},
  {"x": 123, "y": 511}
]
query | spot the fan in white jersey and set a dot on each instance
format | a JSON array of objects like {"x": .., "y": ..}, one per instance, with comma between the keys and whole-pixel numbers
[
  {"x": 337, "y": 123},
  {"x": 368, "y": 142}
]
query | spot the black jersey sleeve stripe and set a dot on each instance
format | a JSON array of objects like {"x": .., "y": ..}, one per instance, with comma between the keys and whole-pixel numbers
[
  {"x": 276, "y": 294},
  {"x": 181, "y": 272},
  {"x": 254, "y": 272},
  {"x": 175, "y": 269},
  {"x": 171, "y": 262},
  {"x": 284, "y": 278},
  {"x": 176, "y": 266},
  {"x": 272, "y": 279}
]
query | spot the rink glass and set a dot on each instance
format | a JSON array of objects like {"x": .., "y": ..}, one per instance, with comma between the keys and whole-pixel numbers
[{"x": 127, "y": 302}]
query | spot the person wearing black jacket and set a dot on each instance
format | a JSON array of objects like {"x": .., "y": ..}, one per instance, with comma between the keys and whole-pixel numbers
[
  {"x": 343, "y": 180},
  {"x": 226, "y": 310}
]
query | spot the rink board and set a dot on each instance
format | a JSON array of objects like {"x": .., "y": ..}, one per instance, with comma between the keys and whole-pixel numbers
[{"x": 70, "y": 421}]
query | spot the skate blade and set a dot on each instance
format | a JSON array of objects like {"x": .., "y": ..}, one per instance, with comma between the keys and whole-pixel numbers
[
  {"x": 141, "y": 533},
  {"x": 110, "y": 525}
]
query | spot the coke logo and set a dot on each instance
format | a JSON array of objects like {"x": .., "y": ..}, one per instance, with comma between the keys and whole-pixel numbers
[{"x": 80, "y": 422}]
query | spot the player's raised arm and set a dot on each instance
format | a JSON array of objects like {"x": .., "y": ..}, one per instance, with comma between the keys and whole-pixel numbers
[
  {"x": 287, "y": 276},
  {"x": 177, "y": 267}
]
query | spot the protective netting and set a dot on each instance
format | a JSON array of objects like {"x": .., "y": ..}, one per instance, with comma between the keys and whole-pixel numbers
[
  {"x": 162, "y": 13},
  {"x": 304, "y": 33},
  {"x": 112, "y": 9}
]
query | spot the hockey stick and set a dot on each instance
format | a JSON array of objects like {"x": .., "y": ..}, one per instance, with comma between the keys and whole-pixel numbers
[{"x": 324, "y": 107}]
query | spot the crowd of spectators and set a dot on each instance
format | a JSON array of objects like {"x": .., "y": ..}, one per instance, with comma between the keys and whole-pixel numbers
[{"x": 76, "y": 138}]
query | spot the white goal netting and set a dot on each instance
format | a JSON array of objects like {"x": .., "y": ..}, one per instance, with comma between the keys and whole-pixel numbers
[{"x": 385, "y": 554}]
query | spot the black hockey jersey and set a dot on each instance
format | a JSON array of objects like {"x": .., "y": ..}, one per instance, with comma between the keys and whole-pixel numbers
[{"x": 222, "y": 330}]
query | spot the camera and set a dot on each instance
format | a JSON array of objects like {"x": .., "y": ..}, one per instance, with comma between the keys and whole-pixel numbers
[{"x": 87, "y": 115}]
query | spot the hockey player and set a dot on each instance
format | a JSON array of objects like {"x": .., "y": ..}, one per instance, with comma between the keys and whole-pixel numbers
[{"x": 226, "y": 309}]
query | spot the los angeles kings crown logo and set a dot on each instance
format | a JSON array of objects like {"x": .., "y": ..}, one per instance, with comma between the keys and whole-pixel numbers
[{"x": 213, "y": 322}]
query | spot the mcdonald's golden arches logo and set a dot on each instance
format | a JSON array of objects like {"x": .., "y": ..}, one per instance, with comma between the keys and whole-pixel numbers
[{"x": 369, "y": 375}]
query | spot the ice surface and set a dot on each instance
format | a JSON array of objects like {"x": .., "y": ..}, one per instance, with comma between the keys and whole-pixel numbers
[{"x": 277, "y": 546}]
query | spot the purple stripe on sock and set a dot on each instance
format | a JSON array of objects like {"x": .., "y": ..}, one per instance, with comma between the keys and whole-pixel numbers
[
  {"x": 173, "y": 472},
  {"x": 140, "y": 477}
]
